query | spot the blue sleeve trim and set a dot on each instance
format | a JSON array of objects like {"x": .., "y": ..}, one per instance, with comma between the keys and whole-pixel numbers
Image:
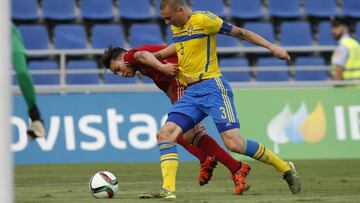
[{"x": 225, "y": 28}]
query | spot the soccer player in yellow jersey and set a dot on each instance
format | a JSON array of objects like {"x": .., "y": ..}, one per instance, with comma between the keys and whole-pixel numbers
[{"x": 208, "y": 94}]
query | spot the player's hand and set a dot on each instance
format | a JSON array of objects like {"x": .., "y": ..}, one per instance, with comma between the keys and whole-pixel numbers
[
  {"x": 170, "y": 69},
  {"x": 279, "y": 53},
  {"x": 200, "y": 129}
]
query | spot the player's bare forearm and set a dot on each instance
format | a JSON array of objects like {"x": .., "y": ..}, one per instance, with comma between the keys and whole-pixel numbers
[
  {"x": 254, "y": 38},
  {"x": 148, "y": 59},
  {"x": 167, "y": 52},
  {"x": 249, "y": 36}
]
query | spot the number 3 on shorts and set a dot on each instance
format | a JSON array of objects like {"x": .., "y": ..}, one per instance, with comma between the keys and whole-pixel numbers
[{"x": 223, "y": 110}]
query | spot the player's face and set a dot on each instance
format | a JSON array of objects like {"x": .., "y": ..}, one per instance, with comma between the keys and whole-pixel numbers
[
  {"x": 120, "y": 68},
  {"x": 173, "y": 17}
]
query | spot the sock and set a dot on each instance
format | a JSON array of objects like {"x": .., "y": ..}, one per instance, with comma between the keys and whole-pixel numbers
[
  {"x": 169, "y": 164},
  {"x": 259, "y": 152},
  {"x": 198, "y": 153},
  {"x": 24, "y": 79},
  {"x": 211, "y": 147}
]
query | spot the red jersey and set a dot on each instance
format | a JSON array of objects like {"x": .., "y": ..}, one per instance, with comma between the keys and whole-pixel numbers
[{"x": 161, "y": 80}]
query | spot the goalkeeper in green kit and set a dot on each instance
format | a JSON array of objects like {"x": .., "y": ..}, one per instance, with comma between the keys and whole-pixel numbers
[{"x": 37, "y": 128}]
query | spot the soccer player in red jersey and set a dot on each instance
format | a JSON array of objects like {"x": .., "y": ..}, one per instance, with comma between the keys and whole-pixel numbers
[{"x": 126, "y": 63}]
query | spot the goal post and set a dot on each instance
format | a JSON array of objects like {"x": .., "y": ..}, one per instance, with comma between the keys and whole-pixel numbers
[{"x": 6, "y": 169}]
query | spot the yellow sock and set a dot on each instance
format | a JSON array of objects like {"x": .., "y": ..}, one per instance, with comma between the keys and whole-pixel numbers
[
  {"x": 265, "y": 155},
  {"x": 169, "y": 164},
  {"x": 169, "y": 170}
]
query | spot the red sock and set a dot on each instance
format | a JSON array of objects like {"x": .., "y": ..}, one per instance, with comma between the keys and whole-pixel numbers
[
  {"x": 210, "y": 146},
  {"x": 201, "y": 155}
]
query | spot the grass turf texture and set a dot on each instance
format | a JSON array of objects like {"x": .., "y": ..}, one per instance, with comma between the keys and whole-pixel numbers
[{"x": 323, "y": 181}]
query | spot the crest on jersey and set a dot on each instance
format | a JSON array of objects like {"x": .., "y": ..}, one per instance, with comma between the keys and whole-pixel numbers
[{"x": 190, "y": 30}]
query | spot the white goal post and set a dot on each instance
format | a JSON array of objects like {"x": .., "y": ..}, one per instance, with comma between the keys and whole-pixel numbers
[{"x": 6, "y": 169}]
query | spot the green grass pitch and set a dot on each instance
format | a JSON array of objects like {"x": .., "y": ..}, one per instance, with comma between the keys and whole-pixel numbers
[{"x": 323, "y": 181}]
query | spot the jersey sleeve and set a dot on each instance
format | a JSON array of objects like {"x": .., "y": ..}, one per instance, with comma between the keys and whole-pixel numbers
[
  {"x": 211, "y": 23},
  {"x": 340, "y": 56}
]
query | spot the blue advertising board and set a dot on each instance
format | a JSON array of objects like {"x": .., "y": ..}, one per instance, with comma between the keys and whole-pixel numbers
[{"x": 100, "y": 127}]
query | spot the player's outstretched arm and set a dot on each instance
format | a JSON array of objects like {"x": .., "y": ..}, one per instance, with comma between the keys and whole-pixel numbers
[
  {"x": 148, "y": 59},
  {"x": 167, "y": 52},
  {"x": 254, "y": 38}
]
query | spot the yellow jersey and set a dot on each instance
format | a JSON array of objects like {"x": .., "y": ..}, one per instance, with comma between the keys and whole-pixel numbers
[{"x": 195, "y": 44}]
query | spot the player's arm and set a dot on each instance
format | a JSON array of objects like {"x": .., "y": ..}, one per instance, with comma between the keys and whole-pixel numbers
[
  {"x": 166, "y": 52},
  {"x": 254, "y": 38},
  {"x": 338, "y": 61},
  {"x": 148, "y": 59},
  {"x": 338, "y": 73}
]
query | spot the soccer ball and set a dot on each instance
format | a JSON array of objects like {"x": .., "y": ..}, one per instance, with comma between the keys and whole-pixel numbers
[{"x": 103, "y": 185}]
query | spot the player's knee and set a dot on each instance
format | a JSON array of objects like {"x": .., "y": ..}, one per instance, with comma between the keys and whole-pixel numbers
[
  {"x": 168, "y": 133},
  {"x": 234, "y": 147}
]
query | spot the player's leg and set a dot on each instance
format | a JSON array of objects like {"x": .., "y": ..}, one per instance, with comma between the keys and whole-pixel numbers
[
  {"x": 227, "y": 123},
  {"x": 24, "y": 78},
  {"x": 181, "y": 119}
]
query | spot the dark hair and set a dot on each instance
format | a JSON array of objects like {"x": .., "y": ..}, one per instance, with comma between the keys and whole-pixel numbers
[
  {"x": 111, "y": 53},
  {"x": 336, "y": 21}
]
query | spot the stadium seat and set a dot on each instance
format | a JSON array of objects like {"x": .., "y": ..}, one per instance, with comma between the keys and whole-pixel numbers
[
  {"x": 246, "y": 9},
  {"x": 69, "y": 37},
  {"x": 110, "y": 78},
  {"x": 295, "y": 34},
  {"x": 216, "y": 7},
  {"x": 141, "y": 33},
  {"x": 59, "y": 9},
  {"x": 34, "y": 36},
  {"x": 45, "y": 79},
  {"x": 325, "y": 35},
  {"x": 357, "y": 31},
  {"x": 265, "y": 76},
  {"x": 105, "y": 34},
  {"x": 97, "y": 10},
  {"x": 264, "y": 29},
  {"x": 135, "y": 10},
  {"x": 320, "y": 8},
  {"x": 284, "y": 9},
  {"x": 235, "y": 76},
  {"x": 24, "y": 9},
  {"x": 308, "y": 75},
  {"x": 351, "y": 8},
  {"x": 169, "y": 36},
  {"x": 87, "y": 78},
  {"x": 226, "y": 41}
]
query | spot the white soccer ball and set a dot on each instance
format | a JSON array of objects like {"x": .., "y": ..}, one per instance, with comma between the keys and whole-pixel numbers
[{"x": 103, "y": 185}]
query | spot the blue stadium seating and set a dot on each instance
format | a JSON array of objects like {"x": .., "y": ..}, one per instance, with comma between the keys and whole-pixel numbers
[
  {"x": 357, "y": 31},
  {"x": 235, "y": 76},
  {"x": 157, "y": 8},
  {"x": 169, "y": 37},
  {"x": 70, "y": 37},
  {"x": 320, "y": 8},
  {"x": 307, "y": 75},
  {"x": 34, "y": 36},
  {"x": 226, "y": 41},
  {"x": 97, "y": 10},
  {"x": 246, "y": 9},
  {"x": 110, "y": 78},
  {"x": 325, "y": 35},
  {"x": 59, "y": 9},
  {"x": 105, "y": 34},
  {"x": 263, "y": 29},
  {"x": 145, "y": 33},
  {"x": 296, "y": 34},
  {"x": 135, "y": 10},
  {"x": 82, "y": 78},
  {"x": 216, "y": 7},
  {"x": 351, "y": 8},
  {"x": 284, "y": 9},
  {"x": 24, "y": 9},
  {"x": 45, "y": 79},
  {"x": 266, "y": 76}
]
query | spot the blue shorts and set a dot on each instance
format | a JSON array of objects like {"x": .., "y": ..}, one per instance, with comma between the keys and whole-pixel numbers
[{"x": 212, "y": 97}]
